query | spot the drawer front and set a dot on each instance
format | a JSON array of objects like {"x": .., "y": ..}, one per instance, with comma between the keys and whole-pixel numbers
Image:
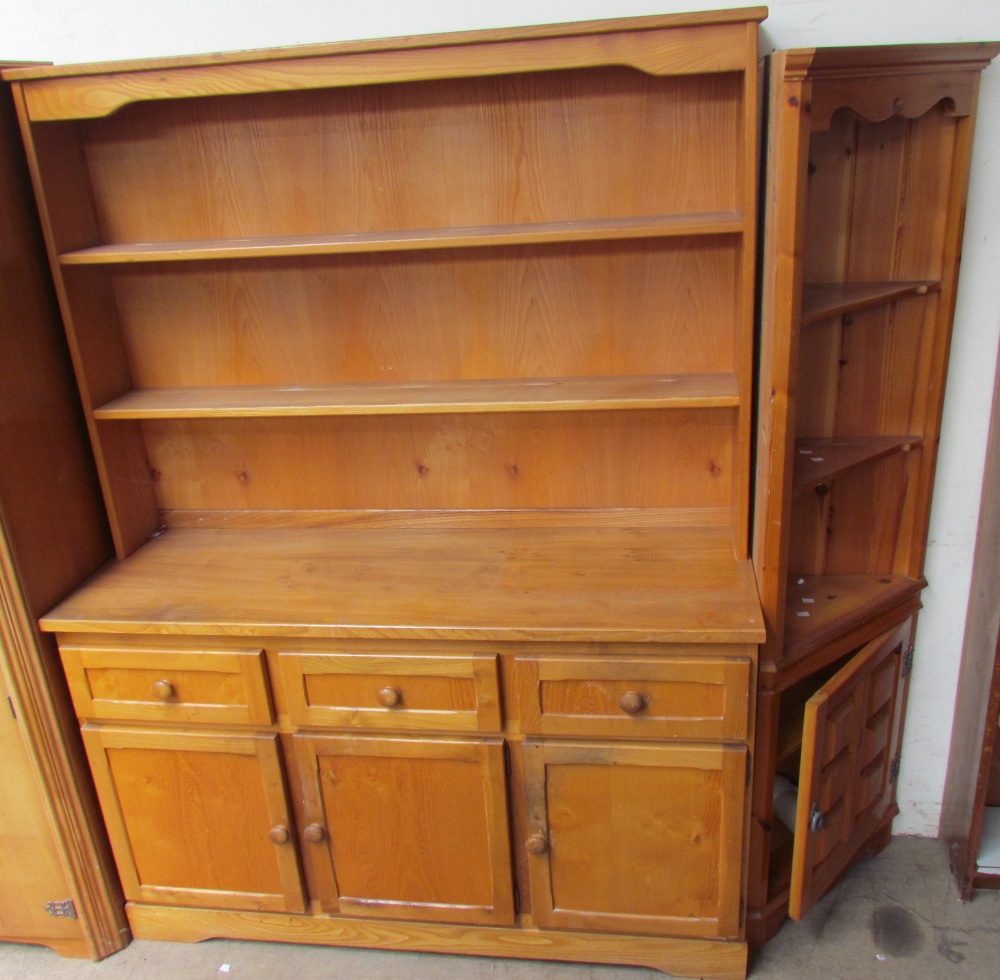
[
  {"x": 689, "y": 698},
  {"x": 354, "y": 690},
  {"x": 135, "y": 684}
]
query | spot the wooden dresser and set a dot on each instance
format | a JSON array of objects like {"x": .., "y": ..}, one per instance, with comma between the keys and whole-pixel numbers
[{"x": 419, "y": 378}]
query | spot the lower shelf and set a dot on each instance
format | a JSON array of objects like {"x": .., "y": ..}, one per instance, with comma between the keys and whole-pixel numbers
[
  {"x": 821, "y": 607},
  {"x": 680, "y": 957}
]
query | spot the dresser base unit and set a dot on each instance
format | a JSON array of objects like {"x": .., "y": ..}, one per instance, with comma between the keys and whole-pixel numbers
[{"x": 676, "y": 957}]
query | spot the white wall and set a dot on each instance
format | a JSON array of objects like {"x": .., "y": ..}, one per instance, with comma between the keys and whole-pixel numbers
[{"x": 96, "y": 30}]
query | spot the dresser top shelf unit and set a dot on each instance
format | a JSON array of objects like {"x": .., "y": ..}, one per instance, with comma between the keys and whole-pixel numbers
[{"x": 416, "y": 337}]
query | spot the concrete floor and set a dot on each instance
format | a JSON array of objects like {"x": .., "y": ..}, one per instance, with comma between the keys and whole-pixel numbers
[{"x": 894, "y": 916}]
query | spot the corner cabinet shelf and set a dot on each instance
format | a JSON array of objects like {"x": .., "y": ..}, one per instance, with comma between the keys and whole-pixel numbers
[
  {"x": 866, "y": 183},
  {"x": 419, "y": 378}
]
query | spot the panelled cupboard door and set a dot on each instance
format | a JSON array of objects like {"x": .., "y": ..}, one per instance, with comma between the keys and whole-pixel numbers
[
  {"x": 197, "y": 819},
  {"x": 408, "y": 828},
  {"x": 846, "y": 782},
  {"x": 636, "y": 838}
]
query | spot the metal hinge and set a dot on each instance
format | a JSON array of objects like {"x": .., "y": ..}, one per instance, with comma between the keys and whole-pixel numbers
[
  {"x": 894, "y": 769},
  {"x": 743, "y": 912},
  {"x": 907, "y": 662},
  {"x": 62, "y": 910},
  {"x": 517, "y": 899},
  {"x": 815, "y": 819},
  {"x": 749, "y": 769}
]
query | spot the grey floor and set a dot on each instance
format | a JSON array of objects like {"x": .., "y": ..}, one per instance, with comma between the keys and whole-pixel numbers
[{"x": 894, "y": 916}]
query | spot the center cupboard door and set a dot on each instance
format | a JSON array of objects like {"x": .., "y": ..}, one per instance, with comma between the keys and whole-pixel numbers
[
  {"x": 636, "y": 838},
  {"x": 408, "y": 828},
  {"x": 850, "y": 740}
]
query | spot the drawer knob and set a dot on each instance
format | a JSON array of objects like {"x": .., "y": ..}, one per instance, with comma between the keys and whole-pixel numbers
[
  {"x": 536, "y": 844},
  {"x": 314, "y": 833},
  {"x": 279, "y": 834},
  {"x": 388, "y": 697},
  {"x": 164, "y": 690},
  {"x": 632, "y": 702}
]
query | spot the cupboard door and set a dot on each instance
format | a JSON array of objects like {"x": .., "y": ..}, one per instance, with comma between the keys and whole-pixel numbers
[
  {"x": 408, "y": 828},
  {"x": 846, "y": 780},
  {"x": 636, "y": 838},
  {"x": 197, "y": 819}
]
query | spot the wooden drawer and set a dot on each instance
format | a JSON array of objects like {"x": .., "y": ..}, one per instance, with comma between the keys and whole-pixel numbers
[
  {"x": 356, "y": 690},
  {"x": 689, "y": 698},
  {"x": 216, "y": 686}
]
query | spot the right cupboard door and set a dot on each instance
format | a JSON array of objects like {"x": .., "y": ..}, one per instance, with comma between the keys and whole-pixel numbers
[
  {"x": 850, "y": 742},
  {"x": 636, "y": 838}
]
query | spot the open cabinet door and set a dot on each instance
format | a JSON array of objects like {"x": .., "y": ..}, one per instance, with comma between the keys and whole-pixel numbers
[{"x": 847, "y": 779}]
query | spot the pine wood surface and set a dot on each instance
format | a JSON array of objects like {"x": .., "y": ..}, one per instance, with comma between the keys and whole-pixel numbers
[
  {"x": 53, "y": 534},
  {"x": 588, "y": 310},
  {"x": 589, "y": 584},
  {"x": 822, "y": 300},
  {"x": 704, "y": 698},
  {"x": 556, "y": 394},
  {"x": 849, "y": 738},
  {"x": 607, "y": 229},
  {"x": 819, "y": 460},
  {"x": 586, "y": 799},
  {"x": 431, "y": 798},
  {"x": 677, "y": 957},
  {"x": 704, "y": 44}
]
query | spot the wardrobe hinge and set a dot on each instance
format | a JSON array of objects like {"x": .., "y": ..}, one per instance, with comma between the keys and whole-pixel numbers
[
  {"x": 517, "y": 899},
  {"x": 749, "y": 769},
  {"x": 907, "y": 662},
  {"x": 894, "y": 769},
  {"x": 62, "y": 910},
  {"x": 10, "y": 704},
  {"x": 743, "y": 912},
  {"x": 815, "y": 819},
  {"x": 506, "y": 761}
]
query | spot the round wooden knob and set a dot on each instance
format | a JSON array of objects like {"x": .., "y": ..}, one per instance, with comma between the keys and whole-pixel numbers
[
  {"x": 536, "y": 844},
  {"x": 388, "y": 697},
  {"x": 164, "y": 690},
  {"x": 279, "y": 834},
  {"x": 314, "y": 833},
  {"x": 632, "y": 702}
]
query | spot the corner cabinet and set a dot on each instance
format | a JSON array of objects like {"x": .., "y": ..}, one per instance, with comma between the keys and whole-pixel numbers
[
  {"x": 867, "y": 168},
  {"x": 419, "y": 378}
]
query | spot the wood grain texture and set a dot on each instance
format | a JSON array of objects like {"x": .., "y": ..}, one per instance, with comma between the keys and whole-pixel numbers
[
  {"x": 849, "y": 734},
  {"x": 435, "y": 800},
  {"x": 587, "y": 310},
  {"x": 571, "y": 584},
  {"x": 206, "y": 686},
  {"x": 678, "y": 957},
  {"x": 684, "y": 50},
  {"x": 607, "y": 229},
  {"x": 52, "y": 535},
  {"x": 435, "y": 462},
  {"x": 443, "y": 692},
  {"x": 556, "y": 146},
  {"x": 705, "y": 698},
  {"x": 167, "y": 795},
  {"x": 651, "y": 807}
]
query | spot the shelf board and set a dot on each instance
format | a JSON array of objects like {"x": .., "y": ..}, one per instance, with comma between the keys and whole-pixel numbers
[
  {"x": 517, "y": 395},
  {"x": 538, "y": 233},
  {"x": 821, "y": 607},
  {"x": 677, "y": 584},
  {"x": 823, "y": 300},
  {"x": 820, "y": 460}
]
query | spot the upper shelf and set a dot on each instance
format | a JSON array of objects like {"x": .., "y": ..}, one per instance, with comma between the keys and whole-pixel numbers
[
  {"x": 517, "y": 395},
  {"x": 654, "y": 226},
  {"x": 823, "y": 300},
  {"x": 819, "y": 460}
]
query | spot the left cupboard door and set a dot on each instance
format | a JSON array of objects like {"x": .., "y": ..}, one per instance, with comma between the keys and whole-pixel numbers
[{"x": 199, "y": 819}]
